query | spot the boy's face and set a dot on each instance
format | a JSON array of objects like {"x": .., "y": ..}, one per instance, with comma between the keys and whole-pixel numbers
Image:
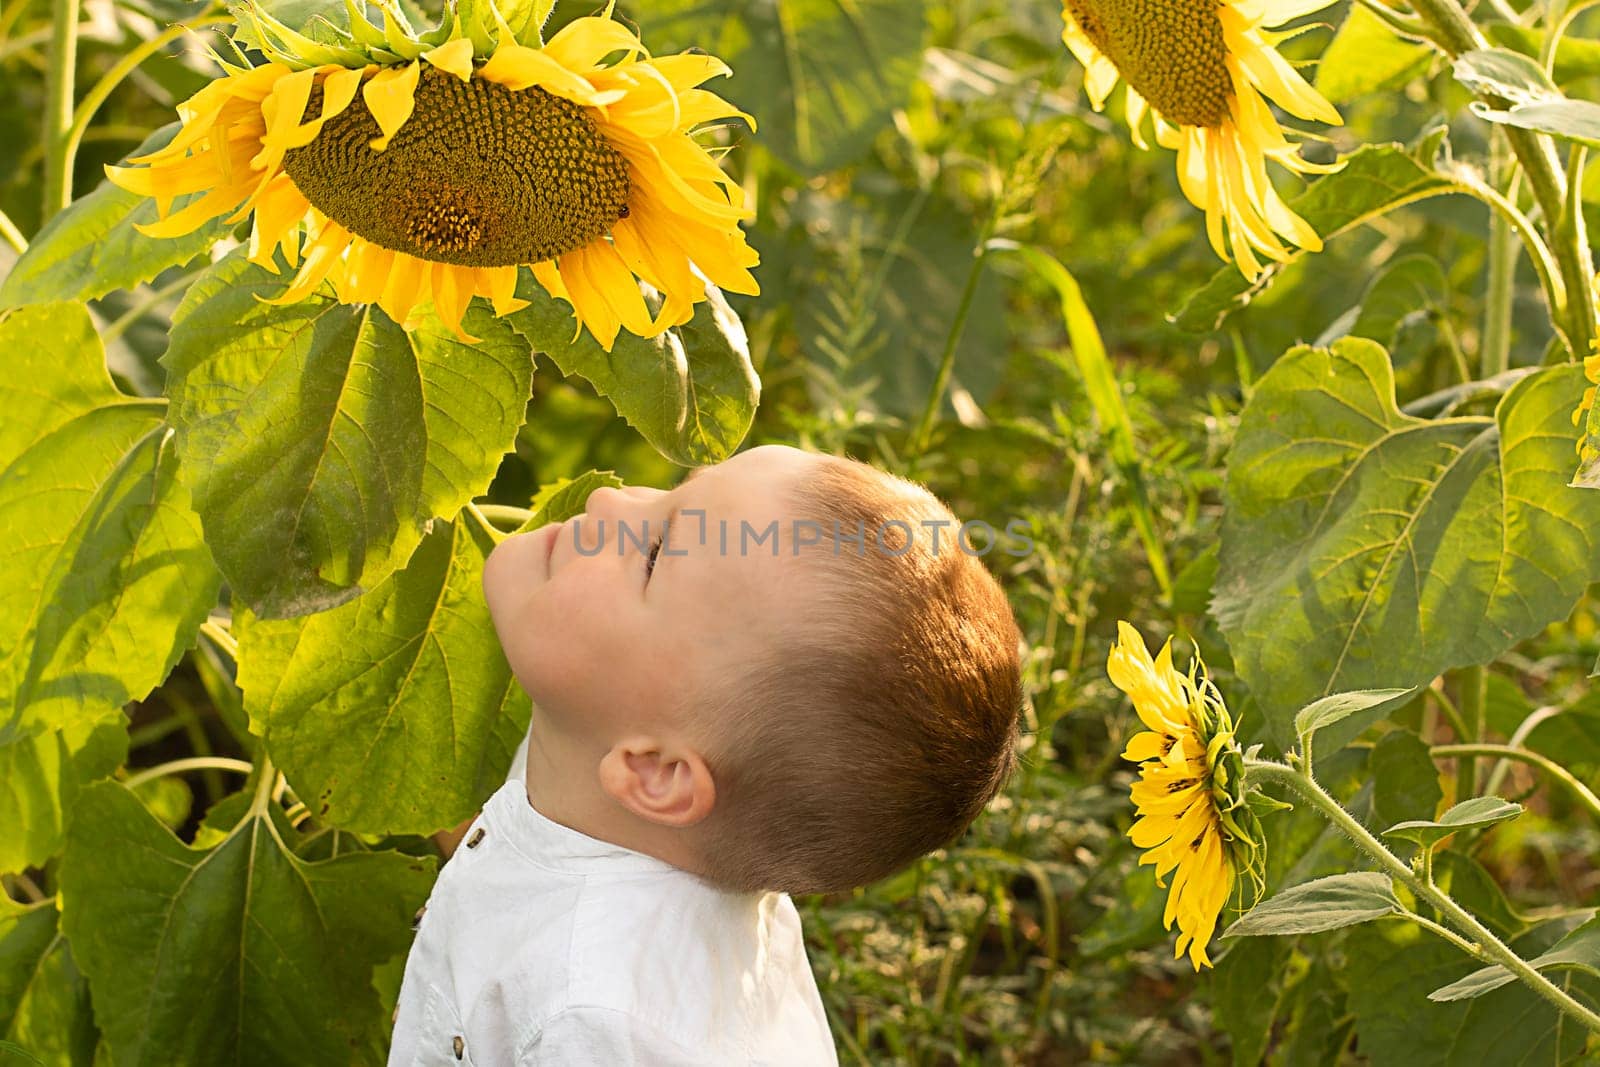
[{"x": 602, "y": 645}]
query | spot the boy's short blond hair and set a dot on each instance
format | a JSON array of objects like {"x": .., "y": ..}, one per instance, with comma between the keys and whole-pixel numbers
[{"x": 880, "y": 727}]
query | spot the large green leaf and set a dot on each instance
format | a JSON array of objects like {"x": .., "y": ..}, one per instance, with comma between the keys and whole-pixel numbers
[
  {"x": 320, "y": 439},
  {"x": 39, "y": 779},
  {"x": 691, "y": 392},
  {"x": 821, "y": 76},
  {"x": 1405, "y": 780},
  {"x": 44, "y": 1001},
  {"x": 396, "y": 712},
  {"x": 104, "y": 578},
  {"x": 1375, "y": 179},
  {"x": 1363, "y": 547},
  {"x": 1366, "y": 56},
  {"x": 239, "y": 954},
  {"x": 91, "y": 248}
]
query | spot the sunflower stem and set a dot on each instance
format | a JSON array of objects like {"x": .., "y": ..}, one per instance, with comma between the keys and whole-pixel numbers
[
  {"x": 1449, "y": 935},
  {"x": 1402, "y": 24},
  {"x": 221, "y": 637},
  {"x": 1455, "y": 33},
  {"x": 1474, "y": 682},
  {"x": 1585, "y": 796},
  {"x": 192, "y": 763},
  {"x": 60, "y": 85},
  {"x": 1493, "y": 949},
  {"x": 1495, "y": 355},
  {"x": 12, "y": 235}
]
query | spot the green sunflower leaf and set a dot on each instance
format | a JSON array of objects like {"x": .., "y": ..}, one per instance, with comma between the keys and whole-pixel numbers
[
  {"x": 690, "y": 392},
  {"x": 1502, "y": 72},
  {"x": 1575, "y": 57},
  {"x": 321, "y": 440},
  {"x": 92, "y": 248},
  {"x": 241, "y": 953},
  {"x": 44, "y": 1001},
  {"x": 1468, "y": 815},
  {"x": 1364, "y": 547},
  {"x": 1579, "y": 950},
  {"x": 1376, "y": 179},
  {"x": 822, "y": 77},
  {"x": 1571, "y": 120},
  {"x": 104, "y": 578},
  {"x": 1337, "y": 707},
  {"x": 563, "y": 499},
  {"x": 396, "y": 712},
  {"x": 1322, "y": 904},
  {"x": 1366, "y": 56},
  {"x": 39, "y": 779}
]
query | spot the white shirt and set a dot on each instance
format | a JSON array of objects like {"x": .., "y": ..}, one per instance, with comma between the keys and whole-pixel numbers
[{"x": 541, "y": 945}]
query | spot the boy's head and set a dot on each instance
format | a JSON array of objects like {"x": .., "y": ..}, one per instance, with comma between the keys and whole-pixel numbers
[{"x": 802, "y": 712}]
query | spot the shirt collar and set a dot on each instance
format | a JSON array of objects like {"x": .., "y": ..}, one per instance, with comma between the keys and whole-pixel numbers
[{"x": 553, "y": 846}]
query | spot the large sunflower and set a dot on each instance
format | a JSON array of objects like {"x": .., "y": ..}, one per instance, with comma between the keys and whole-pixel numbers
[
  {"x": 1193, "y": 817},
  {"x": 1203, "y": 71},
  {"x": 430, "y": 167}
]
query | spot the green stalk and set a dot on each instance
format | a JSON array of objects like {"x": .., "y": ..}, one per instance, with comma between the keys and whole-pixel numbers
[
  {"x": 1495, "y": 355},
  {"x": 1492, "y": 947},
  {"x": 61, "y": 82},
  {"x": 1474, "y": 693},
  {"x": 12, "y": 235},
  {"x": 947, "y": 359},
  {"x": 192, "y": 763},
  {"x": 1455, "y": 33},
  {"x": 1583, "y": 793},
  {"x": 501, "y": 514},
  {"x": 221, "y": 638}
]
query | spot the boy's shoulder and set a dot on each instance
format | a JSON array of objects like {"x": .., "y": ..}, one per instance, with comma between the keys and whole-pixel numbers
[{"x": 690, "y": 962}]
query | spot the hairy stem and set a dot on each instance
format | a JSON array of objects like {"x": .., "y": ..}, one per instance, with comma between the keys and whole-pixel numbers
[
  {"x": 1492, "y": 948},
  {"x": 1455, "y": 33}
]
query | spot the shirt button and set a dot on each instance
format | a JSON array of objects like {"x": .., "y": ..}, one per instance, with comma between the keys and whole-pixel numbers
[
  {"x": 477, "y": 835},
  {"x": 458, "y": 1045}
]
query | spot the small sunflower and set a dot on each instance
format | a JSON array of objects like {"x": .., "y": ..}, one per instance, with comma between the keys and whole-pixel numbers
[
  {"x": 430, "y": 167},
  {"x": 1193, "y": 815},
  {"x": 1203, "y": 70}
]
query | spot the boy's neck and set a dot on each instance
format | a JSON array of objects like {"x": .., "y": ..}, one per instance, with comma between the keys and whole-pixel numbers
[{"x": 563, "y": 785}]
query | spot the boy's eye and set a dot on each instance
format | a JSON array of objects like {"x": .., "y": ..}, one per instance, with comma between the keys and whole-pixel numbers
[{"x": 650, "y": 560}]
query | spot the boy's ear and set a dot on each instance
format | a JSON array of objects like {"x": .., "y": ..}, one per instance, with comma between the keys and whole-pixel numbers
[{"x": 664, "y": 784}]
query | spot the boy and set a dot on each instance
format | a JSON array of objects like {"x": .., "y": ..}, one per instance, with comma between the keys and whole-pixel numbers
[{"x": 776, "y": 678}]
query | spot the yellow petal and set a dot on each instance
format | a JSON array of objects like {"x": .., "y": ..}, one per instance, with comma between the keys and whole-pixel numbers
[
  {"x": 453, "y": 57},
  {"x": 391, "y": 97}
]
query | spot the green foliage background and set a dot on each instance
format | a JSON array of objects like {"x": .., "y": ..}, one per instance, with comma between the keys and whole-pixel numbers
[{"x": 1313, "y": 479}]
